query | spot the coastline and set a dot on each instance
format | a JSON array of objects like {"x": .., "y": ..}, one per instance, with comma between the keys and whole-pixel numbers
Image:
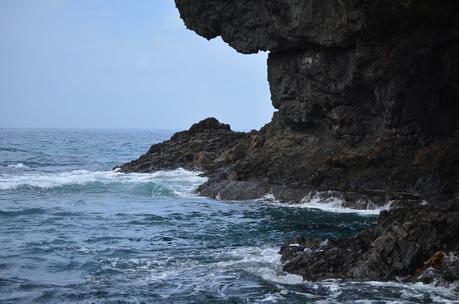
[
  {"x": 366, "y": 95},
  {"x": 408, "y": 235}
]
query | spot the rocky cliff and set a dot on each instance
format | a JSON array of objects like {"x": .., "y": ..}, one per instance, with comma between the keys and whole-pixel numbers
[
  {"x": 367, "y": 99},
  {"x": 367, "y": 91}
]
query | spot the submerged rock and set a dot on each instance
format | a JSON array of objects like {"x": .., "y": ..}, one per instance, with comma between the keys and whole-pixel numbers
[{"x": 367, "y": 99}]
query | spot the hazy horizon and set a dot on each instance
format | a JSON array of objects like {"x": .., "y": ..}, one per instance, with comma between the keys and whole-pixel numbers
[{"x": 121, "y": 65}]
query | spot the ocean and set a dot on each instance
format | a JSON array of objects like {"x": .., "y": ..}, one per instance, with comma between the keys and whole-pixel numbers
[{"x": 72, "y": 230}]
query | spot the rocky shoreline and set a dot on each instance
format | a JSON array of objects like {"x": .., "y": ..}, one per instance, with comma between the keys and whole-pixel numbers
[
  {"x": 367, "y": 99},
  {"x": 411, "y": 242},
  {"x": 409, "y": 236}
]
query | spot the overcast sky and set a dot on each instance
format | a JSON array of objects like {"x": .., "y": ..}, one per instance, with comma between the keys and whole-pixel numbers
[{"x": 121, "y": 64}]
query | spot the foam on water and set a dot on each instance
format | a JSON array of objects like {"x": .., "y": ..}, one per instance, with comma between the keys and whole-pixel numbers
[
  {"x": 328, "y": 204},
  {"x": 180, "y": 181},
  {"x": 262, "y": 262},
  {"x": 18, "y": 166},
  {"x": 72, "y": 231}
]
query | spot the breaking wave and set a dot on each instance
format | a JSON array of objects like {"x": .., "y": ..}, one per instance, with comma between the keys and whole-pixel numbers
[
  {"x": 329, "y": 204},
  {"x": 180, "y": 182}
]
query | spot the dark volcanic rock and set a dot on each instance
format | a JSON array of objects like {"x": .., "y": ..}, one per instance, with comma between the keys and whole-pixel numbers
[
  {"x": 367, "y": 92},
  {"x": 202, "y": 147},
  {"x": 401, "y": 245}
]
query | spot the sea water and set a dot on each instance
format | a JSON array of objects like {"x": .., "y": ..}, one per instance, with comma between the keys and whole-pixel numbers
[{"x": 72, "y": 230}]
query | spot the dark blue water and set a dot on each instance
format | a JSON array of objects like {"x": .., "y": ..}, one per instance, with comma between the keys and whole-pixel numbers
[{"x": 73, "y": 231}]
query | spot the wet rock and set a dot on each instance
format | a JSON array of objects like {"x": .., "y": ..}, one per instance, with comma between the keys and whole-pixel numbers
[
  {"x": 229, "y": 190},
  {"x": 408, "y": 239}
]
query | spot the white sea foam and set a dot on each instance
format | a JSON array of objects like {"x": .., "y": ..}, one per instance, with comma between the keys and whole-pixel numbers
[
  {"x": 265, "y": 263},
  {"x": 18, "y": 166},
  {"x": 407, "y": 292},
  {"x": 326, "y": 203},
  {"x": 336, "y": 204},
  {"x": 439, "y": 294},
  {"x": 180, "y": 181},
  {"x": 262, "y": 262},
  {"x": 270, "y": 198}
]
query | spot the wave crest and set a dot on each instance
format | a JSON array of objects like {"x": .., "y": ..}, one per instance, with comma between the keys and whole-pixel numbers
[
  {"x": 180, "y": 182},
  {"x": 330, "y": 203}
]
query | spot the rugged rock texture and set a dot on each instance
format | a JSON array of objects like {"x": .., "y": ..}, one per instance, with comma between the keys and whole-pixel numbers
[
  {"x": 202, "y": 146},
  {"x": 367, "y": 93},
  {"x": 421, "y": 245},
  {"x": 366, "y": 90}
]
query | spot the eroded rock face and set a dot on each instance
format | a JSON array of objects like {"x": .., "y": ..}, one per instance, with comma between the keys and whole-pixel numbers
[
  {"x": 250, "y": 26},
  {"x": 367, "y": 94},
  {"x": 363, "y": 88},
  {"x": 352, "y": 67}
]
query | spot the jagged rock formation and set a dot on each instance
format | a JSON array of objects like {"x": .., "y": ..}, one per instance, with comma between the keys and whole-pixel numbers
[
  {"x": 399, "y": 246},
  {"x": 199, "y": 147},
  {"x": 367, "y": 93}
]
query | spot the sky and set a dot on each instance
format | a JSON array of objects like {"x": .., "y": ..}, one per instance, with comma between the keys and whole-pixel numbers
[{"x": 121, "y": 64}]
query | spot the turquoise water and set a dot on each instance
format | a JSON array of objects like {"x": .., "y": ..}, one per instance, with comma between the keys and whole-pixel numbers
[{"x": 73, "y": 231}]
